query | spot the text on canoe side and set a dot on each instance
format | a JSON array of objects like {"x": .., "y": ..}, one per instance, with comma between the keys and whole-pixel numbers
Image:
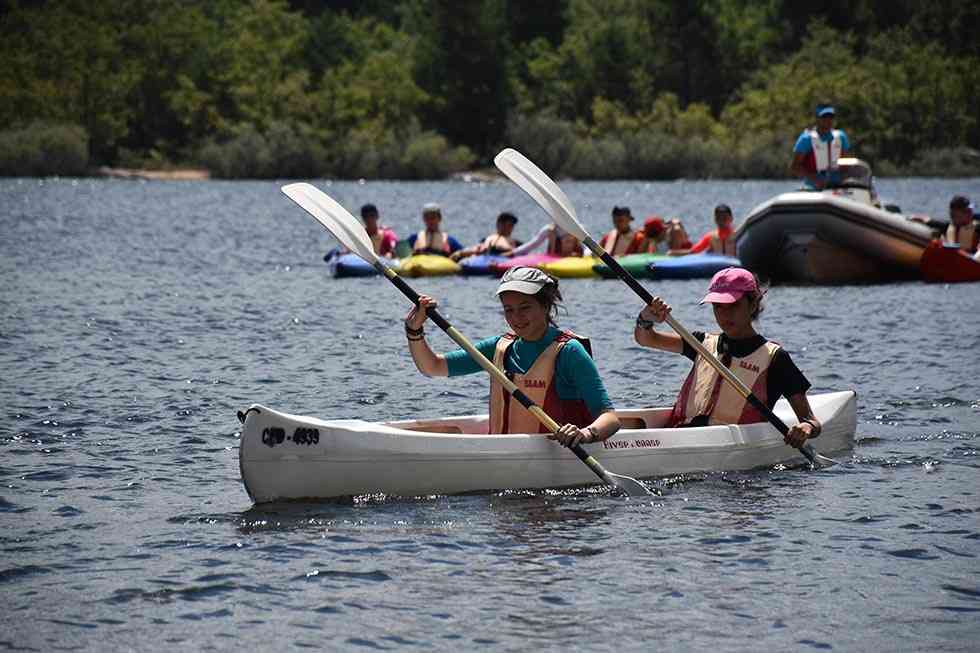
[{"x": 630, "y": 444}]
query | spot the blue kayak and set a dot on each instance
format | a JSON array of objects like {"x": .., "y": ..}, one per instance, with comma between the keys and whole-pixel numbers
[
  {"x": 352, "y": 265},
  {"x": 479, "y": 265},
  {"x": 692, "y": 266}
]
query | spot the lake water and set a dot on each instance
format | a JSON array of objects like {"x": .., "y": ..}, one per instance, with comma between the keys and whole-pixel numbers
[{"x": 136, "y": 318}]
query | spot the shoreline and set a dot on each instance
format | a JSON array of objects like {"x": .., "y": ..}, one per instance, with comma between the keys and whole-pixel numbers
[
  {"x": 180, "y": 174},
  {"x": 476, "y": 175}
]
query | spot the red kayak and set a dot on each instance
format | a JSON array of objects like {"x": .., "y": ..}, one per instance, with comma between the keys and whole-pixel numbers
[{"x": 943, "y": 263}]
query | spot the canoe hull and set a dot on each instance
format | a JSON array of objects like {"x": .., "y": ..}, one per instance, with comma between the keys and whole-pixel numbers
[
  {"x": 352, "y": 265},
  {"x": 636, "y": 264},
  {"x": 695, "y": 266},
  {"x": 428, "y": 265},
  {"x": 821, "y": 238},
  {"x": 571, "y": 267},
  {"x": 529, "y": 260},
  {"x": 480, "y": 265},
  {"x": 948, "y": 264},
  {"x": 286, "y": 456}
]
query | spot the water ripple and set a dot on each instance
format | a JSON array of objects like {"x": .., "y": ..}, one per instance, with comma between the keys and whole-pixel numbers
[{"x": 139, "y": 317}]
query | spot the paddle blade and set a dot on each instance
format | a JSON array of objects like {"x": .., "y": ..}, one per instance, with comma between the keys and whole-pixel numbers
[
  {"x": 630, "y": 486},
  {"x": 334, "y": 217},
  {"x": 542, "y": 190}
]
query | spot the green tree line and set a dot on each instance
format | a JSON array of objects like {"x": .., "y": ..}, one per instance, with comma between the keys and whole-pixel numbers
[{"x": 421, "y": 88}]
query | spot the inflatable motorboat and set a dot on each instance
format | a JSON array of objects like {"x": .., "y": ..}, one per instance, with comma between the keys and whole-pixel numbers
[{"x": 837, "y": 235}]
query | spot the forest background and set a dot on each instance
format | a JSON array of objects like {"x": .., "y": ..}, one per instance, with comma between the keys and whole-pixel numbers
[{"x": 411, "y": 89}]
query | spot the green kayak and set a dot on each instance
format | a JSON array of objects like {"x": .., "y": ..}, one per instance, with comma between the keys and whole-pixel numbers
[{"x": 636, "y": 264}]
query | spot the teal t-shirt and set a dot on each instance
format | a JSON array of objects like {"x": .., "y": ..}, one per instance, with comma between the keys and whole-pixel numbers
[{"x": 576, "y": 376}]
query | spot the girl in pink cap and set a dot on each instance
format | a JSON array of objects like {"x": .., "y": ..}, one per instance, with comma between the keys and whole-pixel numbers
[{"x": 765, "y": 367}]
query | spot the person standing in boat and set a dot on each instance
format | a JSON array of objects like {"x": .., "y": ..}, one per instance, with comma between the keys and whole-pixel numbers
[
  {"x": 817, "y": 151},
  {"x": 382, "y": 238},
  {"x": 560, "y": 242},
  {"x": 499, "y": 243},
  {"x": 764, "y": 366},
  {"x": 432, "y": 240},
  {"x": 720, "y": 241},
  {"x": 622, "y": 240},
  {"x": 552, "y": 366},
  {"x": 671, "y": 232}
]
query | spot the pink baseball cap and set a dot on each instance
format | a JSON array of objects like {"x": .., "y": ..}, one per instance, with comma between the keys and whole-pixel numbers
[{"x": 729, "y": 285}]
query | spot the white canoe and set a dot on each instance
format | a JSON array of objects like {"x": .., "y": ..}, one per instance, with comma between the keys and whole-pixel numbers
[{"x": 286, "y": 456}]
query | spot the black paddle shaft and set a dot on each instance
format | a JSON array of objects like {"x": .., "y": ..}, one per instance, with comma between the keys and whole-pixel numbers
[
  {"x": 409, "y": 292},
  {"x": 751, "y": 398}
]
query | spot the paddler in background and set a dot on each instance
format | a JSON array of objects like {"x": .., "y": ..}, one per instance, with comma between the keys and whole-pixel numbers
[
  {"x": 553, "y": 367},
  {"x": 499, "y": 243},
  {"x": 432, "y": 240},
  {"x": 622, "y": 240},
  {"x": 817, "y": 151},
  {"x": 764, "y": 366},
  {"x": 560, "y": 242},
  {"x": 382, "y": 237},
  {"x": 962, "y": 228},
  {"x": 720, "y": 240},
  {"x": 671, "y": 232}
]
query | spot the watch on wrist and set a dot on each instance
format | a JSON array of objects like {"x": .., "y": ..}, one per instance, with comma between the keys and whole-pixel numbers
[{"x": 646, "y": 325}]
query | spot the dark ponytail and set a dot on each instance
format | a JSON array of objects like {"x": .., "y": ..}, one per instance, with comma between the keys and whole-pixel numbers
[{"x": 550, "y": 298}]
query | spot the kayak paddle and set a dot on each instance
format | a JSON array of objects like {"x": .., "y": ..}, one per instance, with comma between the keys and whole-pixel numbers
[
  {"x": 523, "y": 172},
  {"x": 346, "y": 228}
]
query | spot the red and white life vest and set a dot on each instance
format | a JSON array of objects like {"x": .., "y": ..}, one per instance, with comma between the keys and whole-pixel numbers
[
  {"x": 436, "y": 241},
  {"x": 724, "y": 246},
  {"x": 965, "y": 236},
  {"x": 618, "y": 244},
  {"x": 705, "y": 392},
  {"x": 507, "y": 415},
  {"x": 376, "y": 240},
  {"x": 826, "y": 153}
]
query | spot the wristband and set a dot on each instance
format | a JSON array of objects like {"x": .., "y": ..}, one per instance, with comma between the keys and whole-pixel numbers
[
  {"x": 593, "y": 436},
  {"x": 646, "y": 325},
  {"x": 414, "y": 332}
]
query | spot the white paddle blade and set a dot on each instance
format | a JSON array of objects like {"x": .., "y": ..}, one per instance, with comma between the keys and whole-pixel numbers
[
  {"x": 542, "y": 190},
  {"x": 334, "y": 217},
  {"x": 630, "y": 486}
]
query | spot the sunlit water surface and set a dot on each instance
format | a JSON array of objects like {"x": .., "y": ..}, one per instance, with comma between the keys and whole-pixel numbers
[{"x": 136, "y": 318}]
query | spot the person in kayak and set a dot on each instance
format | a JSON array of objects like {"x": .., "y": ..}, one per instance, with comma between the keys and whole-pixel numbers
[
  {"x": 432, "y": 240},
  {"x": 560, "y": 242},
  {"x": 499, "y": 243},
  {"x": 622, "y": 240},
  {"x": 817, "y": 151},
  {"x": 961, "y": 229},
  {"x": 382, "y": 238},
  {"x": 670, "y": 232},
  {"x": 720, "y": 240},
  {"x": 764, "y": 366},
  {"x": 552, "y": 366}
]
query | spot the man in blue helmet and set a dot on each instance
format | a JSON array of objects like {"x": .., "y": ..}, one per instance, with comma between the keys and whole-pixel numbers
[{"x": 817, "y": 151}]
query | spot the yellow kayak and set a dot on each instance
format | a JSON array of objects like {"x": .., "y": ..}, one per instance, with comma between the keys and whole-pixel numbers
[
  {"x": 428, "y": 265},
  {"x": 571, "y": 267}
]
